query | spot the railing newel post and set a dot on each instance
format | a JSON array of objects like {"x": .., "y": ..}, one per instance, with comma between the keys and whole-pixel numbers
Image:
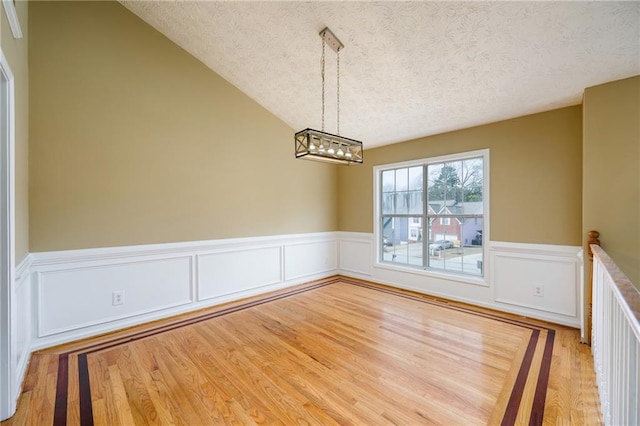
[{"x": 592, "y": 238}]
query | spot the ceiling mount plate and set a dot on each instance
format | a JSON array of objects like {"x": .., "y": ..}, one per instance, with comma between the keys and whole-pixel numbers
[{"x": 331, "y": 39}]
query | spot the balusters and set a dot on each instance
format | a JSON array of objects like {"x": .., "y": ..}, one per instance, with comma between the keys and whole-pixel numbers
[{"x": 615, "y": 342}]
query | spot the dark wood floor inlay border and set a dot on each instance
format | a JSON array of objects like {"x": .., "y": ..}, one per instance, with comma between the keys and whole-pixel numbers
[
  {"x": 509, "y": 418},
  {"x": 511, "y": 413},
  {"x": 537, "y": 411},
  {"x": 60, "y": 407},
  {"x": 86, "y": 408}
]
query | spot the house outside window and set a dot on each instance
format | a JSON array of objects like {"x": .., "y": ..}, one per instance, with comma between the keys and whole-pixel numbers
[{"x": 431, "y": 214}]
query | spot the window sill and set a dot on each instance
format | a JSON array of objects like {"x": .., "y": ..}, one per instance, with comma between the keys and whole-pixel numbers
[{"x": 480, "y": 281}]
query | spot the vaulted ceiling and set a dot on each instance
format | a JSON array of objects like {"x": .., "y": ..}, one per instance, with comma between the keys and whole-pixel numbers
[{"x": 408, "y": 69}]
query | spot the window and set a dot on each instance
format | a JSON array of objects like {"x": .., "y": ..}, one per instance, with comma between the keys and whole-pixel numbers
[{"x": 448, "y": 196}]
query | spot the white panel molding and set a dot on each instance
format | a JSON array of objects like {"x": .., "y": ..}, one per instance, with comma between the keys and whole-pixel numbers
[
  {"x": 304, "y": 259},
  {"x": 81, "y": 297},
  {"x": 355, "y": 252},
  {"x": 226, "y": 272},
  {"x": 555, "y": 275},
  {"x": 72, "y": 289}
]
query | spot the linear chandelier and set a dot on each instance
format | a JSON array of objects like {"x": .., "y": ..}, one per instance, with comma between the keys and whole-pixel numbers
[{"x": 322, "y": 146}]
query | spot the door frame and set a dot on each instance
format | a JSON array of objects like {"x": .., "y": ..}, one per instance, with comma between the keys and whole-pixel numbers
[{"x": 7, "y": 241}]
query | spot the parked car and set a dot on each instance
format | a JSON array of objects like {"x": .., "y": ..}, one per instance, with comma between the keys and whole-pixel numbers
[
  {"x": 477, "y": 241},
  {"x": 387, "y": 242},
  {"x": 440, "y": 245}
]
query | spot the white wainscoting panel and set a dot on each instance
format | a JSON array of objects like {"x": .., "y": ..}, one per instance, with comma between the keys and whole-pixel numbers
[
  {"x": 303, "y": 259},
  {"x": 516, "y": 277},
  {"x": 355, "y": 253},
  {"x": 229, "y": 272},
  {"x": 519, "y": 269},
  {"x": 82, "y": 296}
]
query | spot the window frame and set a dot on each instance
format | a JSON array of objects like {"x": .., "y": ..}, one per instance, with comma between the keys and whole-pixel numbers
[{"x": 377, "y": 218}]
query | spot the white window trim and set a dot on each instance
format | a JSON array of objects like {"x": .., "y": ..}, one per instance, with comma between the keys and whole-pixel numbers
[{"x": 469, "y": 279}]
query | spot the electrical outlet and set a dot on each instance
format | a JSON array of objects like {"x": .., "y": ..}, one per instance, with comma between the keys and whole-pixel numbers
[
  {"x": 538, "y": 290},
  {"x": 117, "y": 298}
]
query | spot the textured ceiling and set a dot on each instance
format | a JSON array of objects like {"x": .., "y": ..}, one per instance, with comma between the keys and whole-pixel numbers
[{"x": 408, "y": 69}]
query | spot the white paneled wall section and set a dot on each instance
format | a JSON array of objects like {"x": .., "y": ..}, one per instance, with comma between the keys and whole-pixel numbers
[
  {"x": 69, "y": 295},
  {"x": 535, "y": 280},
  {"x": 80, "y": 293}
]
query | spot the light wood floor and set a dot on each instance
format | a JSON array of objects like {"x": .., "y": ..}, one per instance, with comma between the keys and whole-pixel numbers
[{"x": 336, "y": 351}]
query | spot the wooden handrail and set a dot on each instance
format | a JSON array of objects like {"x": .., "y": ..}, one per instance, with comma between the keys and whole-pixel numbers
[{"x": 592, "y": 239}]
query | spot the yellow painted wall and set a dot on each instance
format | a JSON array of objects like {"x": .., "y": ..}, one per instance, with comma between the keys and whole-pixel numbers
[
  {"x": 611, "y": 170},
  {"x": 16, "y": 52},
  {"x": 536, "y": 173},
  {"x": 134, "y": 141}
]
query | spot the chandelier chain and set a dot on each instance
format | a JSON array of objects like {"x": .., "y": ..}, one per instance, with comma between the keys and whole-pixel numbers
[
  {"x": 322, "y": 62},
  {"x": 338, "y": 89}
]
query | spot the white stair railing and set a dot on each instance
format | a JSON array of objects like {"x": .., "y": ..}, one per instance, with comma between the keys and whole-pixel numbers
[{"x": 615, "y": 341}]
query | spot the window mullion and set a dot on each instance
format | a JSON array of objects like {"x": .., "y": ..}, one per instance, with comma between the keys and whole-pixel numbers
[{"x": 425, "y": 220}]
